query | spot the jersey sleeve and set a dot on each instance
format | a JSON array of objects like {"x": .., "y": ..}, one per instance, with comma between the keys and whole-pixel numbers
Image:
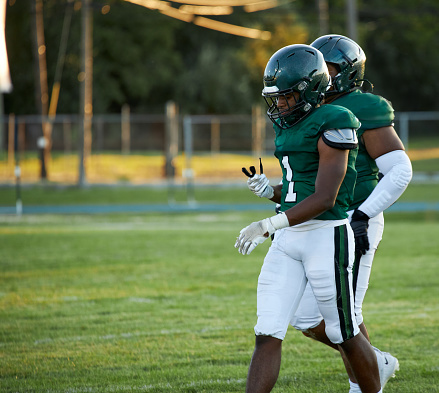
[
  {"x": 374, "y": 112},
  {"x": 337, "y": 126},
  {"x": 343, "y": 139},
  {"x": 338, "y": 117}
]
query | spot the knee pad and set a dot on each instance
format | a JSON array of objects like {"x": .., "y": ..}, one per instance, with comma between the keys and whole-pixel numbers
[
  {"x": 334, "y": 334},
  {"x": 268, "y": 328},
  {"x": 304, "y": 323}
]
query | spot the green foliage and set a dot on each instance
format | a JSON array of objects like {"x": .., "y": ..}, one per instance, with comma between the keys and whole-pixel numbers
[
  {"x": 161, "y": 303},
  {"x": 144, "y": 58},
  {"x": 217, "y": 82},
  {"x": 286, "y": 30},
  {"x": 398, "y": 38},
  {"x": 135, "y": 59},
  {"x": 19, "y": 47}
]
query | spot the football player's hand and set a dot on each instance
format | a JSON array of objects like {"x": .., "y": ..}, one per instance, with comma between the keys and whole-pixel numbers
[
  {"x": 257, "y": 232},
  {"x": 252, "y": 235},
  {"x": 359, "y": 224},
  {"x": 259, "y": 185}
]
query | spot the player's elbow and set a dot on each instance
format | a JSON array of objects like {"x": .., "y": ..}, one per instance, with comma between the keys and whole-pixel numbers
[
  {"x": 327, "y": 202},
  {"x": 401, "y": 175}
]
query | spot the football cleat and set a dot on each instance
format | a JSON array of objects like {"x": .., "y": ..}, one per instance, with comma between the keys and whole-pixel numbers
[{"x": 387, "y": 366}]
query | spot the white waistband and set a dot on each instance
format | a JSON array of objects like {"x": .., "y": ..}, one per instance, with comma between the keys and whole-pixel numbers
[{"x": 315, "y": 224}]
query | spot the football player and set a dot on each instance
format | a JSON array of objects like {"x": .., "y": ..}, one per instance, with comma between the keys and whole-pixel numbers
[
  {"x": 381, "y": 153},
  {"x": 316, "y": 146}
]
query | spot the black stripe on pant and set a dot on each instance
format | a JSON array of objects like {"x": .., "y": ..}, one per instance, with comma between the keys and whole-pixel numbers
[{"x": 341, "y": 262}]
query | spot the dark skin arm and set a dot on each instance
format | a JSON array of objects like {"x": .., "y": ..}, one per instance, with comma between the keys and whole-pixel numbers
[
  {"x": 380, "y": 141},
  {"x": 277, "y": 193},
  {"x": 330, "y": 175}
]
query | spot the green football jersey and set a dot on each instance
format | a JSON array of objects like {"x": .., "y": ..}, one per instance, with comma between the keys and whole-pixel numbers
[
  {"x": 297, "y": 152},
  {"x": 373, "y": 111}
]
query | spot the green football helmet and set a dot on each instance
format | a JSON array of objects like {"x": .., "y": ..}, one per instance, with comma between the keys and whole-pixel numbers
[
  {"x": 348, "y": 58},
  {"x": 294, "y": 68}
]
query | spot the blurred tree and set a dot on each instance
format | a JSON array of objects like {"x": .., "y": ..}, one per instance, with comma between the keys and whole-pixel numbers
[
  {"x": 19, "y": 46},
  {"x": 287, "y": 30},
  {"x": 217, "y": 82},
  {"x": 222, "y": 72},
  {"x": 399, "y": 38},
  {"x": 144, "y": 58},
  {"x": 136, "y": 61}
]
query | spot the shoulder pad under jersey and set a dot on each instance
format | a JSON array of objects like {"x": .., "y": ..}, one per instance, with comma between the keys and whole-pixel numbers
[{"x": 345, "y": 138}]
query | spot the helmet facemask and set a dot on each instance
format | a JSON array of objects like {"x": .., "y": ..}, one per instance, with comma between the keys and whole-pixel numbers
[
  {"x": 290, "y": 115},
  {"x": 345, "y": 80},
  {"x": 297, "y": 70}
]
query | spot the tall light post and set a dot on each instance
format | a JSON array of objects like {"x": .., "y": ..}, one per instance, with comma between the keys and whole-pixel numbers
[
  {"x": 352, "y": 19},
  {"x": 86, "y": 80},
  {"x": 322, "y": 6}
]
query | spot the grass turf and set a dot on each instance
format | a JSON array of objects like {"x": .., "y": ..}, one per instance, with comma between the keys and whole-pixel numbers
[
  {"x": 72, "y": 195},
  {"x": 164, "y": 303}
]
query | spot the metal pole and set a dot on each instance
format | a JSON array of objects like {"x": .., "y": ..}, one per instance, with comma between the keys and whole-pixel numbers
[
  {"x": 171, "y": 147},
  {"x": 322, "y": 6},
  {"x": 188, "y": 149},
  {"x": 352, "y": 19},
  {"x": 17, "y": 172},
  {"x": 42, "y": 96},
  {"x": 126, "y": 137},
  {"x": 404, "y": 129},
  {"x": 86, "y": 77},
  {"x": 171, "y": 139},
  {"x": 214, "y": 136}
]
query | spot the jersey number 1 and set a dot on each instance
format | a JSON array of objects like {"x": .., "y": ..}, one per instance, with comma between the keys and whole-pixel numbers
[{"x": 291, "y": 195}]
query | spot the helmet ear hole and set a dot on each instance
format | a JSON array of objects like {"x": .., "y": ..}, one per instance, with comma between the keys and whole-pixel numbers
[{"x": 353, "y": 75}]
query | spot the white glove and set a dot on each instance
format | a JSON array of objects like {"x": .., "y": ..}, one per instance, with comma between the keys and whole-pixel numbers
[
  {"x": 259, "y": 185},
  {"x": 257, "y": 232}
]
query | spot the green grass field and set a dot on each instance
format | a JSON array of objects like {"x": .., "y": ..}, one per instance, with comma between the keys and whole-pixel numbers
[
  {"x": 72, "y": 195},
  {"x": 165, "y": 303}
]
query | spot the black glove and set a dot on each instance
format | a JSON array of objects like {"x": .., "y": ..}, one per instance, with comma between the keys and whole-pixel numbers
[{"x": 359, "y": 224}]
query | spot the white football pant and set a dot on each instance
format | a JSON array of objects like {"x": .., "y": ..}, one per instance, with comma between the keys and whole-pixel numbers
[
  {"x": 308, "y": 314},
  {"x": 320, "y": 253}
]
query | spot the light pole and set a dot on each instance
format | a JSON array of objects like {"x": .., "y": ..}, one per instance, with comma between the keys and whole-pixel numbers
[
  {"x": 86, "y": 79},
  {"x": 352, "y": 19}
]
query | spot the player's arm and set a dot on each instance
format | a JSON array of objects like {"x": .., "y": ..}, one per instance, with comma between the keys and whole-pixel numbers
[
  {"x": 333, "y": 160},
  {"x": 332, "y": 169},
  {"x": 385, "y": 147},
  {"x": 277, "y": 193}
]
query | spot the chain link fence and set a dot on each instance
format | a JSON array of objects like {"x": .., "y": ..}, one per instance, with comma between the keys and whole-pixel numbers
[{"x": 145, "y": 149}]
